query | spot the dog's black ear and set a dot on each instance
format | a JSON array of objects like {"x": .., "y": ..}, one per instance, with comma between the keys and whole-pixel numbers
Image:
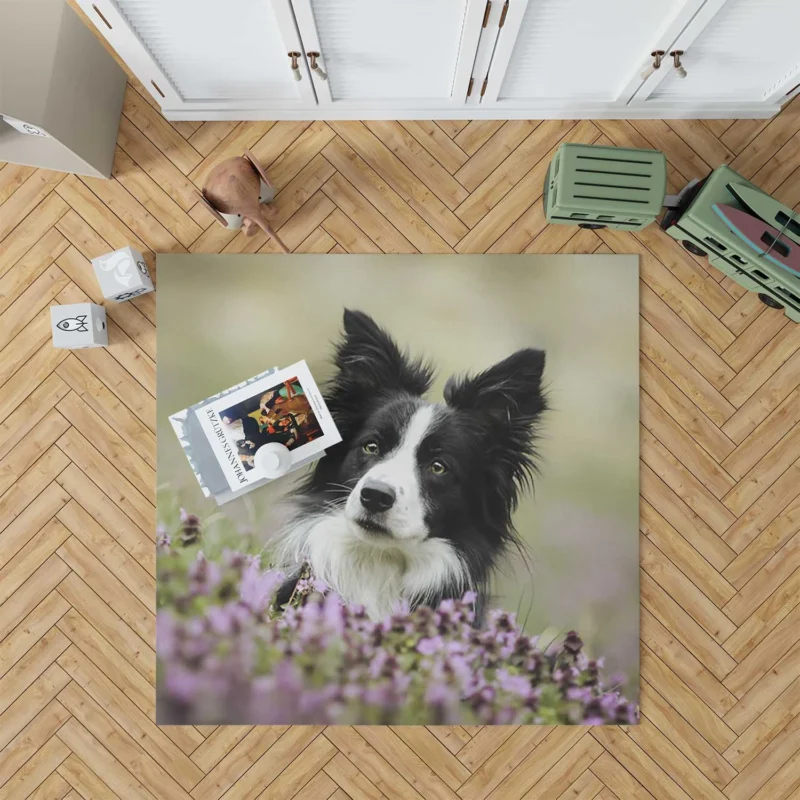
[
  {"x": 509, "y": 391},
  {"x": 509, "y": 398},
  {"x": 368, "y": 359}
]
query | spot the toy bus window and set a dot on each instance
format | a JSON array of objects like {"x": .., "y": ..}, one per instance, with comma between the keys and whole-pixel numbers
[
  {"x": 792, "y": 225},
  {"x": 715, "y": 243},
  {"x": 556, "y": 166},
  {"x": 737, "y": 259},
  {"x": 759, "y": 274},
  {"x": 555, "y": 194},
  {"x": 778, "y": 246},
  {"x": 604, "y": 216},
  {"x": 633, "y": 220},
  {"x": 576, "y": 214},
  {"x": 787, "y": 293}
]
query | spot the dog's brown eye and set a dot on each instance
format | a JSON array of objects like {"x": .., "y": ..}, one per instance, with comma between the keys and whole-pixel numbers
[
  {"x": 371, "y": 448},
  {"x": 438, "y": 468}
]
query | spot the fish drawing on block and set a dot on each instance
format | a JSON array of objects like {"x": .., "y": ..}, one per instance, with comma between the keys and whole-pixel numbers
[
  {"x": 77, "y": 324},
  {"x": 761, "y": 237}
]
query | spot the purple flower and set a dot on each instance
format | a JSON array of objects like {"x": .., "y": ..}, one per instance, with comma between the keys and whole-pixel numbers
[
  {"x": 203, "y": 575},
  {"x": 515, "y": 684},
  {"x": 429, "y": 647},
  {"x": 163, "y": 540},
  {"x": 227, "y": 655},
  {"x": 182, "y": 685},
  {"x": 221, "y": 620},
  {"x": 258, "y": 588}
]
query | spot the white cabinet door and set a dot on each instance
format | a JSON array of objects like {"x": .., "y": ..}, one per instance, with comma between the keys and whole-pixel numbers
[
  {"x": 558, "y": 54},
  {"x": 206, "y": 53},
  {"x": 387, "y": 54},
  {"x": 734, "y": 51}
]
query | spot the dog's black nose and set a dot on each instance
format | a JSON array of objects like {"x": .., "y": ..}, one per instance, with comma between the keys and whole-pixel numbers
[{"x": 377, "y": 496}]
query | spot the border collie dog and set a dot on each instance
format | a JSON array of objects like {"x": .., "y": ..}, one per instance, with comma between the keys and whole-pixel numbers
[{"x": 415, "y": 504}]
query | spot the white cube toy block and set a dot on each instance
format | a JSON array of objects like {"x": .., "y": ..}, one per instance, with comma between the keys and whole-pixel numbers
[
  {"x": 78, "y": 325},
  {"x": 122, "y": 275}
]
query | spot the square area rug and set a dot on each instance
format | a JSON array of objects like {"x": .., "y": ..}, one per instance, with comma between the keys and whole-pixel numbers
[{"x": 417, "y": 504}]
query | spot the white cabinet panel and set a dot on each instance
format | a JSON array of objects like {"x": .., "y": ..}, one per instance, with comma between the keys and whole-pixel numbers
[
  {"x": 746, "y": 52},
  {"x": 442, "y": 59},
  {"x": 207, "y": 52},
  {"x": 388, "y": 53},
  {"x": 210, "y": 50},
  {"x": 582, "y": 50}
]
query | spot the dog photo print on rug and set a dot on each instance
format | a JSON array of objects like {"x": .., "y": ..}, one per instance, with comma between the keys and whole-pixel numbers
[{"x": 466, "y": 554}]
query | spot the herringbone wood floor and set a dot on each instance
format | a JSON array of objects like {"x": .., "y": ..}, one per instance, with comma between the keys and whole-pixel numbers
[{"x": 720, "y": 466}]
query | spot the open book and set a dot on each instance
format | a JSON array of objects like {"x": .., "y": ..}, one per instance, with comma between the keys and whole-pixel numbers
[{"x": 221, "y": 435}]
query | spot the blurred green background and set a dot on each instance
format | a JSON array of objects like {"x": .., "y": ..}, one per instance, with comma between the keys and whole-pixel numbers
[{"x": 222, "y": 319}]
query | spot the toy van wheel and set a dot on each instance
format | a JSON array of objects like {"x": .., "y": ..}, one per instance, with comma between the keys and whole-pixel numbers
[
  {"x": 592, "y": 226},
  {"x": 693, "y": 248},
  {"x": 769, "y": 301}
]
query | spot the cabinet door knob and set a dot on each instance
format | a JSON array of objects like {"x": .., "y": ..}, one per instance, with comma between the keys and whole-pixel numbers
[
  {"x": 315, "y": 68},
  {"x": 676, "y": 60},
  {"x": 295, "y": 66},
  {"x": 657, "y": 56}
]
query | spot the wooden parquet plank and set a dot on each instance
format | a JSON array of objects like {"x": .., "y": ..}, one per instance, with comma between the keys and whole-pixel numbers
[
  {"x": 643, "y": 767},
  {"x": 85, "y": 783},
  {"x": 128, "y": 752},
  {"x": 438, "y": 144},
  {"x": 30, "y": 630},
  {"x": 755, "y": 624},
  {"x": 419, "y": 161},
  {"x": 682, "y": 740},
  {"x": 205, "y": 138},
  {"x": 12, "y": 176},
  {"x": 113, "y": 664},
  {"x": 675, "y": 583},
  {"x": 720, "y": 472},
  {"x": 476, "y": 133},
  {"x": 102, "y": 766},
  {"x": 108, "y": 516},
  {"x": 553, "y": 747},
  {"x": 38, "y": 768},
  {"x": 159, "y": 131},
  {"x": 29, "y": 232},
  {"x": 137, "y": 652},
  {"x": 682, "y": 555},
  {"x": 666, "y": 682},
  {"x": 102, "y": 690},
  {"x": 402, "y": 180},
  {"x": 23, "y": 449},
  {"x": 685, "y": 665},
  {"x": 235, "y": 763},
  {"x": 159, "y": 205},
  {"x": 567, "y": 770},
  {"x": 31, "y": 716},
  {"x": 30, "y": 266},
  {"x": 108, "y": 586},
  {"x": 351, "y": 782},
  {"x": 380, "y": 194}
]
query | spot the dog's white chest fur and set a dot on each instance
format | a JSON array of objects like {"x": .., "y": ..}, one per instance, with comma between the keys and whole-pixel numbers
[{"x": 378, "y": 575}]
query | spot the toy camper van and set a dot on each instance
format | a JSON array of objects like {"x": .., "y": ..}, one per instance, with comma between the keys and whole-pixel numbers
[
  {"x": 745, "y": 233},
  {"x": 605, "y": 187},
  {"x": 703, "y": 223}
]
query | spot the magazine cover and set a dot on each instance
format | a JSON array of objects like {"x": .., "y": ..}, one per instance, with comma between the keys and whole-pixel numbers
[
  {"x": 285, "y": 407},
  {"x": 198, "y": 449},
  {"x": 465, "y": 552}
]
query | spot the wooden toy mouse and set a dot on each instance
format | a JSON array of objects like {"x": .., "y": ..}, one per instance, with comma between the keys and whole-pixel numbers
[{"x": 235, "y": 192}]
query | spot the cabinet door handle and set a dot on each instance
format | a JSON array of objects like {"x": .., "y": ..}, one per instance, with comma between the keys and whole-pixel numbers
[
  {"x": 676, "y": 60},
  {"x": 315, "y": 68},
  {"x": 657, "y": 56},
  {"x": 295, "y": 66}
]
